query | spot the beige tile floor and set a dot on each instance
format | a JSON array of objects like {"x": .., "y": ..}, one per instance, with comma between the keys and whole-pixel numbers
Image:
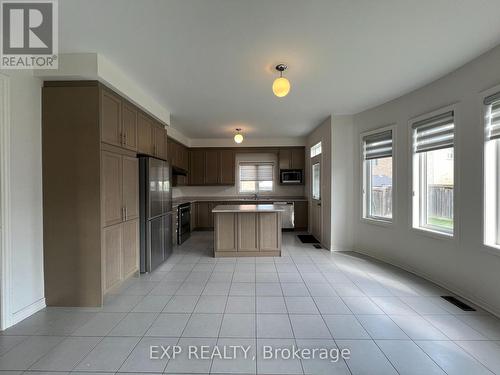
[{"x": 393, "y": 322}]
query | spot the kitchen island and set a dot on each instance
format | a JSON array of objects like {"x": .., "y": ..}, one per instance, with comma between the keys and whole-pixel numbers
[{"x": 247, "y": 230}]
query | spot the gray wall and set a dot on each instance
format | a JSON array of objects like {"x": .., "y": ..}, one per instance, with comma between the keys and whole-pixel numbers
[{"x": 462, "y": 264}]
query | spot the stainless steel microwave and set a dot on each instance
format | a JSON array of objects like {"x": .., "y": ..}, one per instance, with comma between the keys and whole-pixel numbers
[{"x": 291, "y": 176}]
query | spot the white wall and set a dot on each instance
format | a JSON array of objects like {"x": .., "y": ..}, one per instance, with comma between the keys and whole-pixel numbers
[
  {"x": 342, "y": 183},
  {"x": 230, "y": 191},
  {"x": 463, "y": 265},
  {"x": 25, "y": 197}
]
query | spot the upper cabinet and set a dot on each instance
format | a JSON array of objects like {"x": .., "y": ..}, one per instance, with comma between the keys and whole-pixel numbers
[
  {"x": 292, "y": 158},
  {"x": 124, "y": 125},
  {"x": 226, "y": 167},
  {"x": 196, "y": 167},
  {"x": 111, "y": 114},
  {"x": 145, "y": 136},
  {"x": 211, "y": 166},
  {"x": 129, "y": 126}
]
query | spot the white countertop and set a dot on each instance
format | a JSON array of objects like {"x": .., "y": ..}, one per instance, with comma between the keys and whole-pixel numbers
[{"x": 248, "y": 208}]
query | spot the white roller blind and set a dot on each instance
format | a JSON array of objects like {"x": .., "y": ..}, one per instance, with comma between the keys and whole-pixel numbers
[
  {"x": 256, "y": 172},
  {"x": 434, "y": 133},
  {"x": 493, "y": 117},
  {"x": 378, "y": 145}
]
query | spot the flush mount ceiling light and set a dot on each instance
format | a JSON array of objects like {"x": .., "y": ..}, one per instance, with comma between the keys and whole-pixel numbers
[
  {"x": 281, "y": 85},
  {"x": 238, "y": 137}
]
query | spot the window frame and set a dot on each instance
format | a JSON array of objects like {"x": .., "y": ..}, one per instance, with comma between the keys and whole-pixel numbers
[
  {"x": 490, "y": 246},
  {"x": 414, "y": 171},
  {"x": 364, "y": 217},
  {"x": 258, "y": 192}
]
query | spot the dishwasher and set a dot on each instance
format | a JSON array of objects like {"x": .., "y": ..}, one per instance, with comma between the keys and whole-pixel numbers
[{"x": 287, "y": 216}]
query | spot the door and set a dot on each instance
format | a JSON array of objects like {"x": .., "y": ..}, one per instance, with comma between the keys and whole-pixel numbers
[
  {"x": 112, "y": 247},
  {"x": 130, "y": 187},
  {"x": 156, "y": 239},
  {"x": 111, "y": 118},
  {"x": 167, "y": 187},
  {"x": 211, "y": 167},
  {"x": 129, "y": 127},
  {"x": 144, "y": 135},
  {"x": 130, "y": 247},
  {"x": 285, "y": 158},
  {"x": 316, "y": 210},
  {"x": 202, "y": 215},
  {"x": 159, "y": 142},
  {"x": 111, "y": 180},
  {"x": 167, "y": 232},
  {"x": 155, "y": 182},
  {"x": 196, "y": 167},
  {"x": 226, "y": 168},
  {"x": 298, "y": 158}
]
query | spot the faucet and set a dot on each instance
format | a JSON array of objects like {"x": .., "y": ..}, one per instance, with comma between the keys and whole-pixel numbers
[{"x": 255, "y": 196}]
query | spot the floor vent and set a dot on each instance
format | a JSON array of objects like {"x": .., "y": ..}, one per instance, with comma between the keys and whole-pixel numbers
[
  {"x": 317, "y": 246},
  {"x": 458, "y": 303}
]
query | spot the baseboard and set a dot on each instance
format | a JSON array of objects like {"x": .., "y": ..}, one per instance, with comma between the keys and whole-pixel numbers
[
  {"x": 27, "y": 311},
  {"x": 452, "y": 288}
]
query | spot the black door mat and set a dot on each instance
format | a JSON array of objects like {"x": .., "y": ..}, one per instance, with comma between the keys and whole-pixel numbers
[
  {"x": 458, "y": 303},
  {"x": 307, "y": 238}
]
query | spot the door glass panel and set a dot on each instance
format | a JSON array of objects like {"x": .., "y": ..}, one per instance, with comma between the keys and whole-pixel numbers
[{"x": 316, "y": 181}]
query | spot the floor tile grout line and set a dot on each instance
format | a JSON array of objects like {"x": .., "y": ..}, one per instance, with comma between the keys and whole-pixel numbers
[{"x": 324, "y": 321}]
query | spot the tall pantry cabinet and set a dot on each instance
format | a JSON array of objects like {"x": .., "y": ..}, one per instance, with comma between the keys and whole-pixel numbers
[{"x": 90, "y": 141}]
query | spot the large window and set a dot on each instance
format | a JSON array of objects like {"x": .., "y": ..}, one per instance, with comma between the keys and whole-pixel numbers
[
  {"x": 256, "y": 178},
  {"x": 377, "y": 176},
  {"x": 433, "y": 173},
  {"x": 492, "y": 171}
]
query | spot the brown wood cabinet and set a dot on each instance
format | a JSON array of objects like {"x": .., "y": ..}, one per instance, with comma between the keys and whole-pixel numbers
[
  {"x": 203, "y": 215},
  {"x": 211, "y": 166},
  {"x": 226, "y": 167},
  {"x": 129, "y": 126},
  {"x": 292, "y": 158},
  {"x": 118, "y": 121},
  {"x": 145, "y": 135},
  {"x": 301, "y": 213},
  {"x": 196, "y": 167},
  {"x": 111, "y": 111},
  {"x": 90, "y": 191}
]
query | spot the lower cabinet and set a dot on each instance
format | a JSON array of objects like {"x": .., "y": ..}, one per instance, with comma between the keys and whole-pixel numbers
[
  {"x": 247, "y": 234},
  {"x": 227, "y": 239},
  {"x": 120, "y": 246},
  {"x": 269, "y": 238},
  {"x": 301, "y": 214},
  {"x": 248, "y": 229}
]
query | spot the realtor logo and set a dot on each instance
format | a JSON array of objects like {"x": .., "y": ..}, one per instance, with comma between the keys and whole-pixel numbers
[{"x": 29, "y": 34}]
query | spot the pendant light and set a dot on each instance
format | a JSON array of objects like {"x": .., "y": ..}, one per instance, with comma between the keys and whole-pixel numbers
[
  {"x": 238, "y": 137},
  {"x": 281, "y": 85}
]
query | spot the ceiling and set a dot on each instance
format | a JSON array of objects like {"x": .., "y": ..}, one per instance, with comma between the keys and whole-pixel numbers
[{"x": 211, "y": 62}]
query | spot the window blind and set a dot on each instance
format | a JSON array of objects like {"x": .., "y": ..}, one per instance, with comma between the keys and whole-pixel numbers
[
  {"x": 493, "y": 117},
  {"x": 378, "y": 145},
  {"x": 434, "y": 133},
  {"x": 256, "y": 172}
]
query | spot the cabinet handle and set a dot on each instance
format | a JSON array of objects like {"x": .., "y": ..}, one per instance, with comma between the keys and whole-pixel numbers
[
  {"x": 123, "y": 213},
  {"x": 126, "y": 213},
  {"x": 124, "y": 139}
]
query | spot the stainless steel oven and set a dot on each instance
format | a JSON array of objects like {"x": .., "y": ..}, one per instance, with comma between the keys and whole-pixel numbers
[
  {"x": 291, "y": 176},
  {"x": 183, "y": 222}
]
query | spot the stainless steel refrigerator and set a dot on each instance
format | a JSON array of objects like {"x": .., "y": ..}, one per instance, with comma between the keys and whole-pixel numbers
[{"x": 155, "y": 194}]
